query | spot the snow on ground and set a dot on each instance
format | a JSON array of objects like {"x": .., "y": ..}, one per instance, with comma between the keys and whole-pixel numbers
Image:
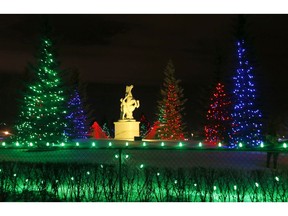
[{"x": 170, "y": 156}]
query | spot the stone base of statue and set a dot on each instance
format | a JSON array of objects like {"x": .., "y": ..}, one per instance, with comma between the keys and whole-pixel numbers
[{"x": 126, "y": 129}]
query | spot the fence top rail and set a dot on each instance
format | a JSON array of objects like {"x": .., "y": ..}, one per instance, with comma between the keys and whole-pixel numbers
[{"x": 139, "y": 145}]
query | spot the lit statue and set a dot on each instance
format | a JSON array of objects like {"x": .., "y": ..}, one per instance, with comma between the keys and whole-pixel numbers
[{"x": 128, "y": 104}]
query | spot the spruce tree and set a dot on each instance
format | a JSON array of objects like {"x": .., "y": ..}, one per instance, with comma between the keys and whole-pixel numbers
[
  {"x": 76, "y": 117},
  {"x": 43, "y": 109},
  {"x": 170, "y": 107},
  {"x": 247, "y": 117},
  {"x": 218, "y": 116}
]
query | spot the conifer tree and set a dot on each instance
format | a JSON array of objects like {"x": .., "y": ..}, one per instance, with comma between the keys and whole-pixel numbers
[
  {"x": 170, "y": 107},
  {"x": 43, "y": 109},
  {"x": 76, "y": 117},
  {"x": 247, "y": 117},
  {"x": 218, "y": 116}
]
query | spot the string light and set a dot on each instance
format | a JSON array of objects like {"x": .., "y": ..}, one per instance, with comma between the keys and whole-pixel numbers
[
  {"x": 218, "y": 116},
  {"x": 93, "y": 144},
  {"x": 110, "y": 144},
  {"x": 162, "y": 144},
  {"x": 144, "y": 144},
  {"x": 127, "y": 143},
  {"x": 246, "y": 117}
]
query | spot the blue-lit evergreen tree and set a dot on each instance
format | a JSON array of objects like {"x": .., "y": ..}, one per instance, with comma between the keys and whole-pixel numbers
[
  {"x": 76, "y": 118},
  {"x": 246, "y": 126}
]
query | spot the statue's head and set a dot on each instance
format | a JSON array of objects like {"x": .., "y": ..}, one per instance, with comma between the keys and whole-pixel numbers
[{"x": 129, "y": 89}]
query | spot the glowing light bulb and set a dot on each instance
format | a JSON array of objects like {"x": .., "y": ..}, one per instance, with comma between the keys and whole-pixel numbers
[
  {"x": 116, "y": 156},
  {"x": 235, "y": 187},
  {"x": 62, "y": 144},
  {"x": 110, "y": 144},
  {"x": 3, "y": 143},
  {"x": 200, "y": 144},
  {"x": 214, "y": 188},
  {"x": 276, "y": 178},
  {"x": 127, "y": 143},
  {"x": 47, "y": 144},
  {"x": 262, "y": 145},
  {"x": 77, "y": 144},
  {"x": 72, "y": 178},
  {"x": 144, "y": 144},
  {"x": 256, "y": 184},
  {"x": 175, "y": 182},
  {"x": 88, "y": 173},
  {"x": 180, "y": 144},
  {"x": 141, "y": 166},
  {"x": 162, "y": 144},
  {"x": 195, "y": 185},
  {"x": 14, "y": 175},
  {"x": 17, "y": 143},
  {"x": 126, "y": 156},
  {"x": 158, "y": 174},
  {"x": 30, "y": 144},
  {"x": 240, "y": 145},
  {"x": 284, "y": 145},
  {"x": 27, "y": 180},
  {"x": 219, "y": 144},
  {"x": 93, "y": 144}
]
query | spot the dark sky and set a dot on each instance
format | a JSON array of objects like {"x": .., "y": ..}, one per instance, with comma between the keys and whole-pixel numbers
[{"x": 134, "y": 49}]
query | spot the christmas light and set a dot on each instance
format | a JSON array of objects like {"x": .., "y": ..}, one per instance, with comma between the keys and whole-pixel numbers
[
  {"x": 200, "y": 144},
  {"x": 62, "y": 144},
  {"x": 277, "y": 178},
  {"x": 180, "y": 144},
  {"x": 219, "y": 144},
  {"x": 218, "y": 116},
  {"x": 262, "y": 145},
  {"x": 72, "y": 178},
  {"x": 47, "y": 144},
  {"x": 110, "y": 144},
  {"x": 93, "y": 144},
  {"x": 42, "y": 112},
  {"x": 144, "y": 143},
  {"x": 246, "y": 117},
  {"x": 214, "y": 188},
  {"x": 14, "y": 175},
  {"x": 127, "y": 143},
  {"x": 158, "y": 174},
  {"x": 170, "y": 107},
  {"x": 256, "y": 184},
  {"x": 88, "y": 173},
  {"x": 3, "y": 143},
  {"x": 17, "y": 143},
  {"x": 141, "y": 166},
  {"x": 31, "y": 144},
  {"x": 77, "y": 144},
  {"x": 175, "y": 182},
  {"x": 284, "y": 145},
  {"x": 240, "y": 145},
  {"x": 126, "y": 156},
  {"x": 235, "y": 187},
  {"x": 162, "y": 144},
  {"x": 116, "y": 156},
  {"x": 76, "y": 118}
]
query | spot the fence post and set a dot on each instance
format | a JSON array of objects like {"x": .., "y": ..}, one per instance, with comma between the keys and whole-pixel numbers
[{"x": 120, "y": 175}]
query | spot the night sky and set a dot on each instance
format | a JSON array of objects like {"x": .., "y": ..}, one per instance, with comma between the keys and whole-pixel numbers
[{"x": 111, "y": 51}]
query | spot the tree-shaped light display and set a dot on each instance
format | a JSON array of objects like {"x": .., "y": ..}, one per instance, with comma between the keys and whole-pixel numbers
[
  {"x": 247, "y": 126},
  {"x": 218, "y": 116},
  {"x": 43, "y": 110},
  {"x": 170, "y": 107},
  {"x": 77, "y": 118}
]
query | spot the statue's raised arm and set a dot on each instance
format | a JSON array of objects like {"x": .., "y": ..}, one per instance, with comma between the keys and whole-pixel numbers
[{"x": 128, "y": 104}]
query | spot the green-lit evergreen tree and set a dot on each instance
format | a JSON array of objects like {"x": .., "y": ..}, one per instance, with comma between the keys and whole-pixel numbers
[
  {"x": 43, "y": 109},
  {"x": 170, "y": 107}
]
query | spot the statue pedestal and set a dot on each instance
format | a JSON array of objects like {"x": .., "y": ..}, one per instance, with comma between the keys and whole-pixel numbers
[{"x": 126, "y": 129}]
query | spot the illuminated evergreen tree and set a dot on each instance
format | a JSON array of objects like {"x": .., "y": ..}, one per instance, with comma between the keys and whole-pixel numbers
[
  {"x": 43, "y": 111},
  {"x": 218, "y": 116},
  {"x": 76, "y": 118},
  {"x": 106, "y": 130},
  {"x": 170, "y": 107},
  {"x": 144, "y": 126},
  {"x": 247, "y": 126}
]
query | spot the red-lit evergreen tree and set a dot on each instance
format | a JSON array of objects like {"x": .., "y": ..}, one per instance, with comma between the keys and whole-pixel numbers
[
  {"x": 218, "y": 116},
  {"x": 170, "y": 107}
]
